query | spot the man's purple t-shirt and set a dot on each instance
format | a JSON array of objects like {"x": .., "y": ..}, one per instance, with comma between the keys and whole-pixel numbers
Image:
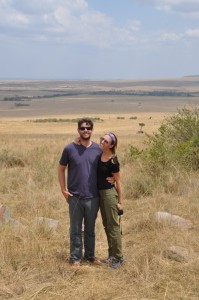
[{"x": 82, "y": 165}]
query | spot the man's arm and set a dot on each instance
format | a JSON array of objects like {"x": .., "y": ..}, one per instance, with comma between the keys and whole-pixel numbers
[{"x": 61, "y": 178}]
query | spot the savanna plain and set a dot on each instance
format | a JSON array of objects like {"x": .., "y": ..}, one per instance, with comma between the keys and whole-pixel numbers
[{"x": 157, "y": 124}]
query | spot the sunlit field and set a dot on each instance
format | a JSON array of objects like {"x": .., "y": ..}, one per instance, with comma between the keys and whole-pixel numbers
[{"x": 34, "y": 258}]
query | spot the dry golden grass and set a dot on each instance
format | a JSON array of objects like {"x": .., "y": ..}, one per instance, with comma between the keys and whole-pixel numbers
[
  {"x": 112, "y": 122},
  {"x": 33, "y": 262}
]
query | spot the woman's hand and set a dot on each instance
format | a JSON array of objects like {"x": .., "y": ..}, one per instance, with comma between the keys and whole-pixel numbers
[
  {"x": 111, "y": 180},
  {"x": 77, "y": 141},
  {"x": 119, "y": 206}
]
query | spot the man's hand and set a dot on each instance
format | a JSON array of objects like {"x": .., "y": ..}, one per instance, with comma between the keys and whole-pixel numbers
[{"x": 66, "y": 194}]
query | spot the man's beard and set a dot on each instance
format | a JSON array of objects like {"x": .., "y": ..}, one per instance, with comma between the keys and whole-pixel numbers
[{"x": 85, "y": 138}]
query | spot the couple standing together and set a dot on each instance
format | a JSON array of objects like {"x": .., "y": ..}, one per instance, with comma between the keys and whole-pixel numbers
[{"x": 93, "y": 181}]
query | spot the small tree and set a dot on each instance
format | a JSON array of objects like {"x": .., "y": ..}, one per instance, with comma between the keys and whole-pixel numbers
[{"x": 141, "y": 125}]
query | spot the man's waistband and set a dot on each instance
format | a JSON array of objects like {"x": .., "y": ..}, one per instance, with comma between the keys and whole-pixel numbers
[{"x": 82, "y": 197}]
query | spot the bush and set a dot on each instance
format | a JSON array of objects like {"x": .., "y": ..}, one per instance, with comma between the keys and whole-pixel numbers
[
  {"x": 175, "y": 147},
  {"x": 55, "y": 120},
  {"x": 133, "y": 152},
  {"x": 178, "y": 140}
]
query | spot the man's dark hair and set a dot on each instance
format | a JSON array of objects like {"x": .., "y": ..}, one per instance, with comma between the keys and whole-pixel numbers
[{"x": 85, "y": 120}]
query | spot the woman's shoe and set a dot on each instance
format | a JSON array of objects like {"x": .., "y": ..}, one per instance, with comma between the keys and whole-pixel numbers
[
  {"x": 116, "y": 263},
  {"x": 107, "y": 260}
]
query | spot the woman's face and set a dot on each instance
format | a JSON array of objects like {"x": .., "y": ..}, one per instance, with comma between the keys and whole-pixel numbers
[{"x": 105, "y": 142}]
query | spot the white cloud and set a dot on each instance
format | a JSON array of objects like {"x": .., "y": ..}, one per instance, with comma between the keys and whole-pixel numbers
[
  {"x": 18, "y": 19},
  {"x": 73, "y": 21},
  {"x": 175, "y": 37},
  {"x": 170, "y": 37},
  {"x": 41, "y": 6},
  {"x": 192, "y": 33},
  {"x": 134, "y": 25},
  {"x": 68, "y": 21},
  {"x": 184, "y": 7}
]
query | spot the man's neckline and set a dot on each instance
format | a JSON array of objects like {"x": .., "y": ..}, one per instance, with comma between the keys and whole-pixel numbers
[{"x": 88, "y": 146}]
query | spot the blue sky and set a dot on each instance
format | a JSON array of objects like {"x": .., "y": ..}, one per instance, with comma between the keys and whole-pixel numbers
[{"x": 98, "y": 39}]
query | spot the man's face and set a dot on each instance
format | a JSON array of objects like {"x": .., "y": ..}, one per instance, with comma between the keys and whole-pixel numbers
[{"x": 85, "y": 131}]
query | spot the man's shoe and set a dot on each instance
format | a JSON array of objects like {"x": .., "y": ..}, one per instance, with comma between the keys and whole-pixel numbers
[
  {"x": 75, "y": 264},
  {"x": 116, "y": 263},
  {"x": 94, "y": 261},
  {"x": 107, "y": 260}
]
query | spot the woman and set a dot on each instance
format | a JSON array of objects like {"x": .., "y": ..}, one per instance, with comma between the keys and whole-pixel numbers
[{"x": 110, "y": 198}]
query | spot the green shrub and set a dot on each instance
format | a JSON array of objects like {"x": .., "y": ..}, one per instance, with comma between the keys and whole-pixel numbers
[
  {"x": 134, "y": 154},
  {"x": 55, "y": 120},
  {"x": 174, "y": 147},
  {"x": 178, "y": 140}
]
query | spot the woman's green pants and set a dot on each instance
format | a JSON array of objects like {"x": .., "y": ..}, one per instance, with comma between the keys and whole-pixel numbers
[{"x": 110, "y": 220}]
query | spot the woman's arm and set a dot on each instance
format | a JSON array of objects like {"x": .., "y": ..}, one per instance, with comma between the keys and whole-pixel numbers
[{"x": 119, "y": 188}]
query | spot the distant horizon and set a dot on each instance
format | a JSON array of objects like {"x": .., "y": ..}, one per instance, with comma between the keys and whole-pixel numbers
[{"x": 95, "y": 79}]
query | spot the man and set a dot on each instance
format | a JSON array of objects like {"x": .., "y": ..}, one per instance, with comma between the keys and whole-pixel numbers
[{"x": 81, "y": 193}]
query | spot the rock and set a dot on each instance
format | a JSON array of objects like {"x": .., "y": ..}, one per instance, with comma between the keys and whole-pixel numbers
[
  {"x": 50, "y": 223},
  {"x": 162, "y": 216},
  {"x": 4, "y": 213},
  {"x": 17, "y": 225},
  {"x": 6, "y": 218},
  {"x": 179, "y": 254},
  {"x": 173, "y": 220}
]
